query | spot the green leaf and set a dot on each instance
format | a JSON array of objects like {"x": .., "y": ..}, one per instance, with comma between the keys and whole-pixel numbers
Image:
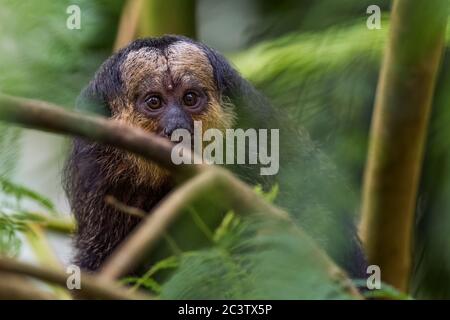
[
  {"x": 10, "y": 243},
  {"x": 385, "y": 292},
  {"x": 147, "y": 281},
  {"x": 270, "y": 195},
  {"x": 20, "y": 193}
]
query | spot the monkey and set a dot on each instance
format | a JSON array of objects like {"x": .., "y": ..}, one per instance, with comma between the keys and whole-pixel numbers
[{"x": 164, "y": 84}]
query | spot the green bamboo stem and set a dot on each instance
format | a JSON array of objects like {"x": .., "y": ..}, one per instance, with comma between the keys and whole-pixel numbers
[
  {"x": 64, "y": 225},
  {"x": 398, "y": 132},
  {"x": 153, "y": 18},
  {"x": 168, "y": 17}
]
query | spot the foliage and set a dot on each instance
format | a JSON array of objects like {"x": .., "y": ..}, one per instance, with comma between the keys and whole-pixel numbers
[
  {"x": 50, "y": 62},
  {"x": 324, "y": 83},
  {"x": 385, "y": 292},
  {"x": 14, "y": 215},
  {"x": 281, "y": 17},
  {"x": 249, "y": 267}
]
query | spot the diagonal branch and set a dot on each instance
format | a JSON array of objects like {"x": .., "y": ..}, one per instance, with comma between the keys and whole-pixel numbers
[
  {"x": 237, "y": 196},
  {"x": 45, "y": 116},
  {"x": 63, "y": 225},
  {"x": 91, "y": 286},
  {"x": 14, "y": 287}
]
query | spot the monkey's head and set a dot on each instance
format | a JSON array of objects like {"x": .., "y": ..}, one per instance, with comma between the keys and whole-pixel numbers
[{"x": 161, "y": 85}]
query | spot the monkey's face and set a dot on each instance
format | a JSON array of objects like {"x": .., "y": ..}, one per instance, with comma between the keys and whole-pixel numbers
[{"x": 169, "y": 89}]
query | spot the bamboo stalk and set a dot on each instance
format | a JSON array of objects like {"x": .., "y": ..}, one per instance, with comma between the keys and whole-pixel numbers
[
  {"x": 168, "y": 17},
  {"x": 129, "y": 23},
  {"x": 152, "y": 18},
  {"x": 399, "y": 126}
]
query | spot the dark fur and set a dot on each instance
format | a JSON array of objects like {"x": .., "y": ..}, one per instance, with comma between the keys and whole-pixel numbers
[{"x": 88, "y": 180}]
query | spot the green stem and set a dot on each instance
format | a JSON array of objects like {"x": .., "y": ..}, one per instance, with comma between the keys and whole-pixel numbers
[
  {"x": 45, "y": 255},
  {"x": 399, "y": 127},
  {"x": 56, "y": 224}
]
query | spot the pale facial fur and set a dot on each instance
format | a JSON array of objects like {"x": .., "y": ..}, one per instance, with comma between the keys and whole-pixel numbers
[{"x": 181, "y": 64}]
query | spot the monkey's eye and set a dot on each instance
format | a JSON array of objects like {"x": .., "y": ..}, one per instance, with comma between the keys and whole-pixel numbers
[
  {"x": 190, "y": 99},
  {"x": 153, "y": 102}
]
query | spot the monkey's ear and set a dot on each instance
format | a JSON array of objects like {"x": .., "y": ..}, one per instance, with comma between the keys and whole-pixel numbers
[
  {"x": 229, "y": 81},
  {"x": 255, "y": 109},
  {"x": 90, "y": 102},
  {"x": 105, "y": 87}
]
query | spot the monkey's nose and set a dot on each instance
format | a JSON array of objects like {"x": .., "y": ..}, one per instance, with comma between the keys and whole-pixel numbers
[{"x": 167, "y": 132}]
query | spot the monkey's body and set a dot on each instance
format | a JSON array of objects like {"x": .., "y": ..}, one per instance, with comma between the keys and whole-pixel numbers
[
  {"x": 165, "y": 84},
  {"x": 100, "y": 226}
]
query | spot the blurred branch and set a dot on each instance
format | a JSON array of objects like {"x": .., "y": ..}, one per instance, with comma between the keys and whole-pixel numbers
[
  {"x": 168, "y": 17},
  {"x": 91, "y": 287},
  {"x": 398, "y": 132},
  {"x": 136, "y": 212},
  {"x": 13, "y": 287},
  {"x": 129, "y": 22},
  {"x": 66, "y": 225},
  {"x": 45, "y": 116}
]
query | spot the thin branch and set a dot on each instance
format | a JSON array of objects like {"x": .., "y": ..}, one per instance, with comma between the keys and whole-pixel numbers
[
  {"x": 66, "y": 225},
  {"x": 398, "y": 132},
  {"x": 45, "y": 116},
  {"x": 131, "y": 251},
  {"x": 136, "y": 212},
  {"x": 13, "y": 287},
  {"x": 91, "y": 286}
]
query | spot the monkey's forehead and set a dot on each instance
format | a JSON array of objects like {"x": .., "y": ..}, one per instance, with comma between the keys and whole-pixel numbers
[{"x": 179, "y": 62}]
